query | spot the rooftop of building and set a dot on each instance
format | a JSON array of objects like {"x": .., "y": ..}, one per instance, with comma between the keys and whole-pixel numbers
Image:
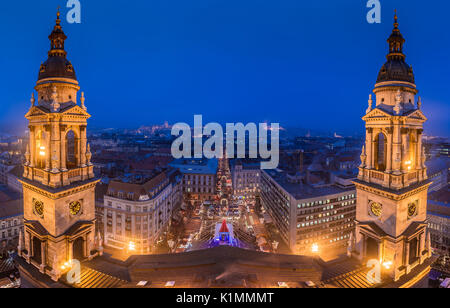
[
  {"x": 7, "y": 194},
  {"x": 305, "y": 191},
  {"x": 247, "y": 164},
  {"x": 195, "y": 165},
  {"x": 437, "y": 164},
  {"x": 11, "y": 208},
  {"x": 138, "y": 187},
  {"x": 439, "y": 202},
  {"x": 223, "y": 267}
]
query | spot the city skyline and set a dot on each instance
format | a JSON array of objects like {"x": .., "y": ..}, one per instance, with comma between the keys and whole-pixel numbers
[
  {"x": 231, "y": 66},
  {"x": 187, "y": 203}
]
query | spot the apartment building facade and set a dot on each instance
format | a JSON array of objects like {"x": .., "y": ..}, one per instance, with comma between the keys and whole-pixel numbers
[
  {"x": 310, "y": 219},
  {"x": 138, "y": 211}
]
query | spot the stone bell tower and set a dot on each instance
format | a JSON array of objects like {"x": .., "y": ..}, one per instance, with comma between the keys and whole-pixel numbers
[
  {"x": 392, "y": 183},
  {"x": 58, "y": 179}
]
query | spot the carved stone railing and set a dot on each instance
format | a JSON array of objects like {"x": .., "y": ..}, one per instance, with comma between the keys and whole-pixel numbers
[{"x": 377, "y": 177}]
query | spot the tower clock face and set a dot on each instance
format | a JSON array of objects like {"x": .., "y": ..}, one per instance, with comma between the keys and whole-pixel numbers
[
  {"x": 75, "y": 207},
  {"x": 38, "y": 207},
  {"x": 376, "y": 209},
  {"x": 412, "y": 209}
]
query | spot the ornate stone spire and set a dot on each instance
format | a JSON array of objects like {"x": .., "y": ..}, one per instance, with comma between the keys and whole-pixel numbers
[
  {"x": 82, "y": 100},
  {"x": 370, "y": 101},
  {"x": 57, "y": 39},
  {"x": 32, "y": 100},
  {"x": 419, "y": 103},
  {"x": 396, "y": 42}
]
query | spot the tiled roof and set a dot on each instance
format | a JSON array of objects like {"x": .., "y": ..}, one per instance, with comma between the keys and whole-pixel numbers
[{"x": 134, "y": 191}]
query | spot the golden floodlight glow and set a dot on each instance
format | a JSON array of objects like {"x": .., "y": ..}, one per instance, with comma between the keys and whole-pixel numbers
[
  {"x": 42, "y": 152},
  {"x": 131, "y": 246},
  {"x": 315, "y": 248},
  {"x": 67, "y": 265},
  {"x": 408, "y": 164},
  {"x": 387, "y": 264}
]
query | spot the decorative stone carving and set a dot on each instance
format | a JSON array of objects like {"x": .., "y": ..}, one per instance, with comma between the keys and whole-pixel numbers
[
  {"x": 419, "y": 103},
  {"x": 55, "y": 164},
  {"x": 27, "y": 155},
  {"x": 363, "y": 157},
  {"x": 88, "y": 155},
  {"x": 55, "y": 105},
  {"x": 398, "y": 100},
  {"x": 424, "y": 157}
]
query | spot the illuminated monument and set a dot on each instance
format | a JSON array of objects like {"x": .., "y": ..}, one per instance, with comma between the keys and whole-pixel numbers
[
  {"x": 58, "y": 179},
  {"x": 392, "y": 182}
]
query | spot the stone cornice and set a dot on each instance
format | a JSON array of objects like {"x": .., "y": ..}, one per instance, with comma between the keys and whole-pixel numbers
[
  {"x": 59, "y": 193},
  {"x": 392, "y": 194}
]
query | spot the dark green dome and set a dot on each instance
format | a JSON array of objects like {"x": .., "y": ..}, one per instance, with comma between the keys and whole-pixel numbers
[
  {"x": 57, "y": 65},
  {"x": 396, "y": 69}
]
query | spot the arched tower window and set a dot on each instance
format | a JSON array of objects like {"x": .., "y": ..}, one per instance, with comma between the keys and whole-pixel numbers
[
  {"x": 41, "y": 150},
  {"x": 71, "y": 150},
  {"x": 412, "y": 143},
  {"x": 380, "y": 152}
]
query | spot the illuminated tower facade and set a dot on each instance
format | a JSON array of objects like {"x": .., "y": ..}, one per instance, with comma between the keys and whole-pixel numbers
[
  {"x": 58, "y": 179},
  {"x": 392, "y": 183}
]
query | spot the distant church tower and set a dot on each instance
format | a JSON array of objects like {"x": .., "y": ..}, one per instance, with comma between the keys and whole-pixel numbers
[
  {"x": 392, "y": 183},
  {"x": 58, "y": 179}
]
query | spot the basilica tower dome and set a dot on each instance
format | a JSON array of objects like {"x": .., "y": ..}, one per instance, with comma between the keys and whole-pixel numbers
[
  {"x": 396, "y": 69},
  {"x": 57, "y": 72},
  {"x": 395, "y": 75}
]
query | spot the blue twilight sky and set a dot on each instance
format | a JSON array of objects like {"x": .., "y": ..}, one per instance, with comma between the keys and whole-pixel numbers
[{"x": 307, "y": 64}]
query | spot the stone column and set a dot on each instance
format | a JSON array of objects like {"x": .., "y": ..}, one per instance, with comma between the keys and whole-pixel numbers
[
  {"x": 421, "y": 245},
  {"x": 404, "y": 149},
  {"x": 70, "y": 251},
  {"x": 85, "y": 247},
  {"x": 380, "y": 251},
  {"x": 32, "y": 146},
  {"x": 48, "y": 153},
  {"x": 43, "y": 257},
  {"x": 363, "y": 246},
  {"x": 369, "y": 148},
  {"x": 389, "y": 150},
  {"x": 407, "y": 254},
  {"x": 56, "y": 147},
  {"x": 63, "y": 154},
  {"x": 418, "y": 158},
  {"x": 396, "y": 149},
  {"x": 83, "y": 141},
  {"x": 31, "y": 252}
]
